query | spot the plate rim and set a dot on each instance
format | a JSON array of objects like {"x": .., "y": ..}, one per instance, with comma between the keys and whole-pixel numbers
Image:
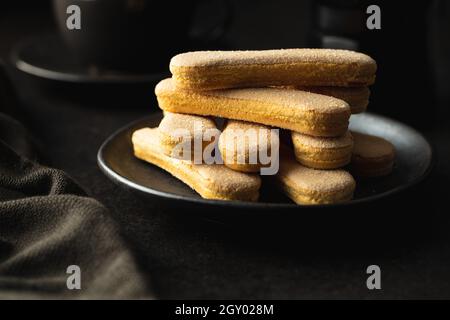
[
  {"x": 71, "y": 77},
  {"x": 122, "y": 181}
]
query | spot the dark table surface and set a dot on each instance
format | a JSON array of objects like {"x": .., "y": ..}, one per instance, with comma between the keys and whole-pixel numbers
[{"x": 185, "y": 261}]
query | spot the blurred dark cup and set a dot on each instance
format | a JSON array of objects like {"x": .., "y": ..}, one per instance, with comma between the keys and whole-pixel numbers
[
  {"x": 127, "y": 34},
  {"x": 404, "y": 85}
]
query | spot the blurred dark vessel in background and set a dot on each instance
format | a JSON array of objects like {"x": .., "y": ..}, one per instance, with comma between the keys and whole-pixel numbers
[{"x": 404, "y": 88}]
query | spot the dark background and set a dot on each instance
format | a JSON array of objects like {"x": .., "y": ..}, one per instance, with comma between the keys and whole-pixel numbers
[{"x": 187, "y": 261}]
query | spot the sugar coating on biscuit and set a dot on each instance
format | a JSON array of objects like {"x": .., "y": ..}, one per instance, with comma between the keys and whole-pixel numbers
[
  {"x": 245, "y": 125},
  {"x": 228, "y": 179},
  {"x": 343, "y": 141},
  {"x": 296, "y": 98},
  {"x": 356, "y": 97},
  {"x": 316, "y": 180},
  {"x": 195, "y": 125},
  {"x": 368, "y": 146},
  {"x": 280, "y": 56},
  {"x": 233, "y": 130}
]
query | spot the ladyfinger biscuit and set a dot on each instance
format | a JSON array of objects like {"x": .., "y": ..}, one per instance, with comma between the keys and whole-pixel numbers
[
  {"x": 208, "y": 70},
  {"x": 323, "y": 153},
  {"x": 212, "y": 181},
  {"x": 356, "y": 97},
  {"x": 300, "y": 111},
  {"x": 180, "y": 134},
  {"x": 247, "y": 147},
  {"x": 309, "y": 186},
  {"x": 372, "y": 156}
]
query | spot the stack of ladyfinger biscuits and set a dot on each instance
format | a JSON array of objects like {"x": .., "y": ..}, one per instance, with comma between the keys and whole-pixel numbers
[{"x": 309, "y": 92}]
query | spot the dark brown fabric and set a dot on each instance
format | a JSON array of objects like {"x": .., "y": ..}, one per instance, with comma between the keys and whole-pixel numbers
[{"x": 47, "y": 223}]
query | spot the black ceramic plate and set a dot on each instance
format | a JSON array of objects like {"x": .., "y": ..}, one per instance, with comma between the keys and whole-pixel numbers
[
  {"x": 53, "y": 68},
  {"x": 413, "y": 163},
  {"x": 46, "y": 57}
]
